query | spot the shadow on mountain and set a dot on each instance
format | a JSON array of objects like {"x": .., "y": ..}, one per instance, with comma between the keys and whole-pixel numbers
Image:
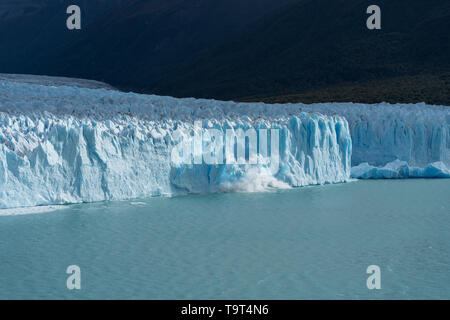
[{"x": 284, "y": 51}]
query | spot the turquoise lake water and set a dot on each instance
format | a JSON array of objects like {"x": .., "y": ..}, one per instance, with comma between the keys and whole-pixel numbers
[{"x": 307, "y": 243}]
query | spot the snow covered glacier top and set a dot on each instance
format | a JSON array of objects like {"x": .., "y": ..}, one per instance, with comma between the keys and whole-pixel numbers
[
  {"x": 54, "y": 81},
  {"x": 17, "y": 97},
  {"x": 69, "y": 144}
]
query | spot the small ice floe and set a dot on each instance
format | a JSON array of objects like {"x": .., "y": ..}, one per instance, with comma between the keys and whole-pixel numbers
[
  {"x": 30, "y": 210},
  {"x": 137, "y": 203}
]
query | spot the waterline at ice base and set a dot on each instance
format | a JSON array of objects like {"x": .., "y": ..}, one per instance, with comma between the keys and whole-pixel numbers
[{"x": 67, "y": 144}]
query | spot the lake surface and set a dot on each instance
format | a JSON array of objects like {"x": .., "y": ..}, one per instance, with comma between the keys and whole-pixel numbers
[{"x": 307, "y": 243}]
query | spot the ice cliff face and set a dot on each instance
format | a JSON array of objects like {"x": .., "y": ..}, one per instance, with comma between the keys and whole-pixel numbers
[
  {"x": 396, "y": 141},
  {"x": 67, "y": 145},
  {"x": 418, "y": 135}
]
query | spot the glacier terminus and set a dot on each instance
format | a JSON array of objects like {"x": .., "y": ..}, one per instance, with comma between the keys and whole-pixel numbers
[{"x": 66, "y": 144}]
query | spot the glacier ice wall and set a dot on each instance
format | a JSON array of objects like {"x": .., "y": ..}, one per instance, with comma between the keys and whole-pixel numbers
[
  {"x": 396, "y": 141},
  {"x": 68, "y": 145},
  {"x": 417, "y": 134}
]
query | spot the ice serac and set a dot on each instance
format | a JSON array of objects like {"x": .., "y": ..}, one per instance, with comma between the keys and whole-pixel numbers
[
  {"x": 396, "y": 141},
  {"x": 67, "y": 145}
]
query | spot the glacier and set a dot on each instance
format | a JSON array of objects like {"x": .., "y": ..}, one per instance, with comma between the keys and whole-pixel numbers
[
  {"x": 65, "y": 144},
  {"x": 389, "y": 137},
  {"x": 419, "y": 135},
  {"x": 68, "y": 145}
]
